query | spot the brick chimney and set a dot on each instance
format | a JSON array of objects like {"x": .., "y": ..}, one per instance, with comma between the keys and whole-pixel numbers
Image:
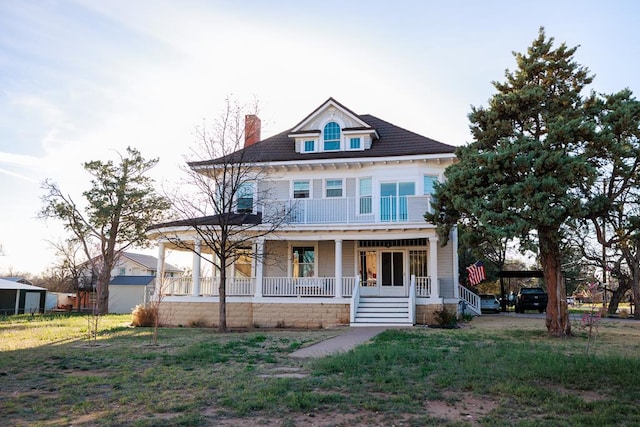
[{"x": 251, "y": 129}]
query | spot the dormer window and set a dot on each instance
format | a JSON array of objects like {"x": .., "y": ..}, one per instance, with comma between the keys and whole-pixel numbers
[
  {"x": 331, "y": 136},
  {"x": 354, "y": 143},
  {"x": 309, "y": 146}
]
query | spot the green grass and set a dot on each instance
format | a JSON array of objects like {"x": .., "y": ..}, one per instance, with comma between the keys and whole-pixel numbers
[{"x": 50, "y": 375}]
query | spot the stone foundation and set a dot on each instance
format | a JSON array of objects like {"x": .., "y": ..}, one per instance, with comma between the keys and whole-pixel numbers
[
  {"x": 247, "y": 315},
  {"x": 270, "y": 315}
]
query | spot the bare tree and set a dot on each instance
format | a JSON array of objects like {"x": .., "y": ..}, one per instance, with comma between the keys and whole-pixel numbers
[{"x": 225, "y": 207}]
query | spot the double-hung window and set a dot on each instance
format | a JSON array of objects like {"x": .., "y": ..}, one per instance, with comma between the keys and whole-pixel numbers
[
  {"x": 245, "y": 198},
  {"x": 429, "y": 181},
  {"x": 301, "y": 190},
  {"x": 365, "y": 202},
  {"x": 333, "y": 188},
  {"x": 304, "y": 261}
]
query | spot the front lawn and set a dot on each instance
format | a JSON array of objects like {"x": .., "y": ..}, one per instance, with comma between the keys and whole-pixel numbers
[{"x": 495, "y": 370}]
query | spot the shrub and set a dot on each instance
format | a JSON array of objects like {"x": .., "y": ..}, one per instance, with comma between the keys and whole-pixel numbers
[
  {"x": 144, "y": 315},
  {"x": 446, "y": 318}
]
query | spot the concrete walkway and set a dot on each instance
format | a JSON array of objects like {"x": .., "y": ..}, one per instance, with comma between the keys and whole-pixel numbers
[{"x": 347, "y": 340}]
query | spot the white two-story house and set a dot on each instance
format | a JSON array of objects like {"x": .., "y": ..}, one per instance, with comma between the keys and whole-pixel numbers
[{"x": 355, "y": 248}]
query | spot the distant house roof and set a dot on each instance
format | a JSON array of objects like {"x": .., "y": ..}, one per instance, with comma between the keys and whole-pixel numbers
[
  {"x": 12, "y": 284},
  {"x": 148, "y": 261},
  {"x": 18, "y": 280},
  {"x": 132, "y": 280},
  {"x": 392, "y": 141}
]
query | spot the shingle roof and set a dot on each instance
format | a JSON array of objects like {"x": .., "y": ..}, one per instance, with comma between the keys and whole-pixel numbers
[
  {"x": 132, "y": 280},
  {"x": 149, "y": 261},
  {"x": 393, "y": 141}
]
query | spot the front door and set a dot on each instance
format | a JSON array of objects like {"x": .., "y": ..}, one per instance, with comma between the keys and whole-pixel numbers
[
  {"x": 382, "y": 273},
  {"x": 392, "y": 278}
]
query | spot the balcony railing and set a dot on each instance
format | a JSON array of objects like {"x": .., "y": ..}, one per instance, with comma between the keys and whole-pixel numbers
[{"x": 349, "y": 210}]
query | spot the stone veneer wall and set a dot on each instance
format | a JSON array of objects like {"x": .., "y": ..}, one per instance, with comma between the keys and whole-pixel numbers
[
  {"x": 425, "y": 314},
  {"x": 246, "y": 315}
]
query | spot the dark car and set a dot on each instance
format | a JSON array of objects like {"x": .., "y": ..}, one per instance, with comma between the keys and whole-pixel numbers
[
  {"x": 531, "y": 299},
  {"x": 489, "y": 302}
]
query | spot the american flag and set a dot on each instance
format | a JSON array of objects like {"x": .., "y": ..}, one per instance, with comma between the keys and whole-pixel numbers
[{"x": 476, "y": 273}]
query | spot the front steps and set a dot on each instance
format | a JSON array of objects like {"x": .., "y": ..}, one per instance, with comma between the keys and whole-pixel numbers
[{"x": 381, "y": 311}]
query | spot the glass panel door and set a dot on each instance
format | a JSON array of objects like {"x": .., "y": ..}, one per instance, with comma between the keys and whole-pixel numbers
[
  {"x": 388, "y": 195},
  {"x": 369, "y": 273},
  {"x": 392, "y": 269}
]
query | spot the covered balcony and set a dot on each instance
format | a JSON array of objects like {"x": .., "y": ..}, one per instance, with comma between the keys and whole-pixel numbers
[{"x": 350, "y": 210}]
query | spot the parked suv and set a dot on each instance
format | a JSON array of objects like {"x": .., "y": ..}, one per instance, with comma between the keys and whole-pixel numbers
[{"x": 531, "y": 299}]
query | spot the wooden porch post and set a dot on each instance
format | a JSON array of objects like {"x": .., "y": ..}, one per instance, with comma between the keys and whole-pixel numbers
[
  {"x": 338, "y": 268},
  {"x": 196, "y": 268},
  {"x": 160, "y": 270},
  {"x": 433, "y": 267},
  {"x": 259, "y": 262}
]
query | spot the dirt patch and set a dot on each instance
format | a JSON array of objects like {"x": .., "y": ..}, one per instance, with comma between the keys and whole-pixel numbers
[{"x": 463, "y": 407}]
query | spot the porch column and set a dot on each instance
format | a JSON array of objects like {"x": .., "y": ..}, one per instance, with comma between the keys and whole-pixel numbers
[
  {"x": 259, "y": 258},
  {"x": 160, "y": 269},
  {"x": 338, "y": 268},
  {"x": 433, "y": 267},
  {"x": 196, "y": 268},
  {"x": 456, "y": 274}
]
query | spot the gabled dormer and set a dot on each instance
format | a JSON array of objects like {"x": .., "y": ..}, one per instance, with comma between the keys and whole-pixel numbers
[{"x": 332, "y": 127}]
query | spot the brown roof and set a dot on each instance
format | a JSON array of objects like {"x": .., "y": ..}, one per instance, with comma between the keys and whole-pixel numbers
[{"x": 393, "y": 141}]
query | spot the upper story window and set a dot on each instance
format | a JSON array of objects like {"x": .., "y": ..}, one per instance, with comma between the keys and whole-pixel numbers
[
  {"x": 429, "y": 181},
  {"x": 354, "y": 143},
  {"x": 301, "y": 190},
  {"x": 309, "y": 146},
  {"x": 333, "y": 188},
  {"x": 331, "y": 136},
  {"x": 365, "y": 190},
  {"x": 245, "y": 198}
]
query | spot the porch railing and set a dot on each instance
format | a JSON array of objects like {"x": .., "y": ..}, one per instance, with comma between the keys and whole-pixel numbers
[
  {"x": 276, "y": 286},
  {"x": 271, "y": 286}
]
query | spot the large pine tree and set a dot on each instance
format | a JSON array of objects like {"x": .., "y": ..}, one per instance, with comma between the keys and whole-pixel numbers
[{"x": 524, "y": 171}]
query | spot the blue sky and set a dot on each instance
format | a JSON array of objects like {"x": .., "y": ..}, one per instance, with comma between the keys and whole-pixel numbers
[{"x": 82, "y": 80}]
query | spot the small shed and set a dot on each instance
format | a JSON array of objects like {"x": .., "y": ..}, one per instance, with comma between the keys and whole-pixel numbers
[
  {"x": 125, "y": 292},
  {"x": 21, "y": 298}
]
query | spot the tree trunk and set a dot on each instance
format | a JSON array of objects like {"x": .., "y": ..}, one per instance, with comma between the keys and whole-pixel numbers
[
  {"x": 222, "y": 292},
  {"x": 635, "y": 285},
  {"x": 557, "y": 320},
  {"x": 617, "y": 296},
  {"x": 102, "y": 297}
]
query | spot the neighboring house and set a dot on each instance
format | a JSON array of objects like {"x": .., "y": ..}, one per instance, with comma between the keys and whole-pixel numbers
[
  {"x": 20, "y": 297},
  {"x": 132, "y": 280},
  {"x": 132, "y": 264},
  {"x": 355, "y": 249},
  {"x": 125, "y": 292}
]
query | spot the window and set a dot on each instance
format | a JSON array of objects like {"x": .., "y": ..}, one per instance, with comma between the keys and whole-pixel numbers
[
  {"x": 304, "y": 260},
  {"x": 354, "y": 143},
  {"x": 429, "y": 181},
  {"x": 331, "y": 136},
  {"x": 301, "y": 189},
  {"x": 123, "y": 271},
  {"x": 242, "y": 266},
  {"x": 309, "y": 146},
  {"x": 245, "y": 198},
  {"x": 365, "y": 196},
  {"x": 334, "y": 188}
]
